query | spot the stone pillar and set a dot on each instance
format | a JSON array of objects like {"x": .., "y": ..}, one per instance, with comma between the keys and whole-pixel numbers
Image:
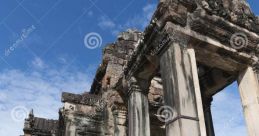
[
  {"x": 249, "y": 92},
  {"x": 208, "y": 116},
  {"x": 198, "y": 94},
  {"x": 120, "y": 119},
  {"x": 179, "y": 91},
  {"x": 138, "y": 110}
]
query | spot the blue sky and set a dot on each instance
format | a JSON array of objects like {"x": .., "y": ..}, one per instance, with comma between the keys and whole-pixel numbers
[{"x": 42, "y": 53}]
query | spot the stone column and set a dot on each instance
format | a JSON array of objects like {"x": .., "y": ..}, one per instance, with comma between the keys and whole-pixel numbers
[
  {"x": 179, "y": 91},
  {"x": 120, "y": 119},
  {"x": 249, "y": 92},
  {"x": 208, "y": 116},
  {"x": 198, "y": 94},
  {"x": 138, "y": 110}
]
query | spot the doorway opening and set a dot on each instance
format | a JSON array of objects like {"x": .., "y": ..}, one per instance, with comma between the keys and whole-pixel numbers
[{"x": 227, "y": 112}]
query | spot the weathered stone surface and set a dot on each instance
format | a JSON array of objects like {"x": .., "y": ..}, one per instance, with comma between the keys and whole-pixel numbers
[
  {"x": 139, "y": 122},
  {"x": 236, "y": 11},
  {"x": 198, "y": 93},
  {"x": 156, "y": 90},
  {"x": 82, "y": 117},
  {"x": 40, "y": 126},
  {"x": 249, "y": 92},
  {"x": 176, "y": 70}
]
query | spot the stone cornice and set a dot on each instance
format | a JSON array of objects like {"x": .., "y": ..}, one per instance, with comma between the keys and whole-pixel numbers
[
  {"x": 222, "y": 30},
  {"x": 85, "y": 99}
]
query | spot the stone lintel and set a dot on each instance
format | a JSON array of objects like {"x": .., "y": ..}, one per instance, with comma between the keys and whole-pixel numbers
[
  {"x": 208, "y": 49},
  {"x": 85, "y": 99}
]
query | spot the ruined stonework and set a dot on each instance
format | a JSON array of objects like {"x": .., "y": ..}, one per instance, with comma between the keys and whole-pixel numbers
[
  {"x": 161, "y": 82},
  {"x": 35, "y": 126}
]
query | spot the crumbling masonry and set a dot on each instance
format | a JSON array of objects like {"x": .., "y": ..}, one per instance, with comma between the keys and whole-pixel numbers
[{"x": 161, "y": 82}]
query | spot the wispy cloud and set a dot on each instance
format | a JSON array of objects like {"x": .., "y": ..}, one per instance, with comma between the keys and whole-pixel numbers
[
  {"x": 106, "y": 23},
  {"x": 37, "y": 89}
]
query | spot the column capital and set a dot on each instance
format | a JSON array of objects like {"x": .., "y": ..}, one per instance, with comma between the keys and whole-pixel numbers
[
  {"x": 177, "y": 37},
  {"x": 139, "y": 85}
]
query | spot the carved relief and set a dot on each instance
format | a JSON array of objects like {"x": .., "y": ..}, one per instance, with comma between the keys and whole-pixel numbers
[
  {"x": 236, "y": 11},
  {"x": 190, "y": 4},
  {"x": 242, "y": 14},
  {"x": 173, "y": 12},
  {"x": 214, "y": 7}
]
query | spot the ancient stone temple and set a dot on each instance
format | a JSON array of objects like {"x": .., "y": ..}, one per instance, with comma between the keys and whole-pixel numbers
[{"x": 161, "y": 82}]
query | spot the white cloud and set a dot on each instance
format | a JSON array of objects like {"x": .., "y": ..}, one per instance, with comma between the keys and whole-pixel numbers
[
  {"x": 106, "y": 23},
  {"x": 40, "y": 90}
]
